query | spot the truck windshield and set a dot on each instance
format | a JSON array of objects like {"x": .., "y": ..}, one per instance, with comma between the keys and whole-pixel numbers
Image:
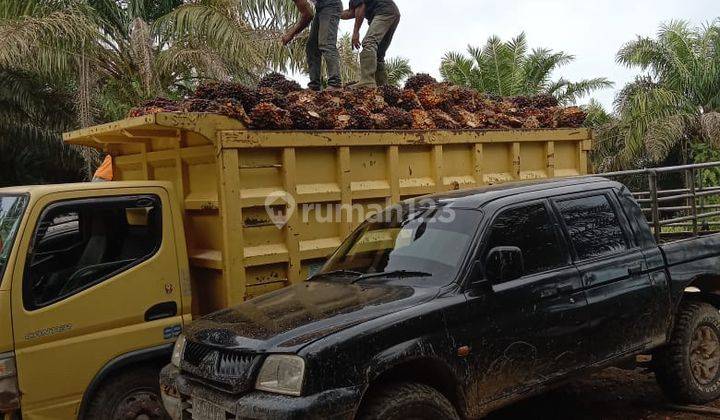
[
  {"x": 423, "y": 244},
  {"x": 11, "y": 211}
]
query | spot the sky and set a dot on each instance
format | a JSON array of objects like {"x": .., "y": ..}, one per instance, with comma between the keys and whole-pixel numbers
[{"x": 591, "y": 30}]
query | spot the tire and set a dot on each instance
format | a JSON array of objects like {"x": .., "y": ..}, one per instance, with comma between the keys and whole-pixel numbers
[
  {"x": 688, "y": 367},
  {"x": 407, "y": 401},
  {"x": 127, "y": 395}
]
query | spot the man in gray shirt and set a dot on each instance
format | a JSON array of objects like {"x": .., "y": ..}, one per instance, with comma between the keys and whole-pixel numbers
[
  {"x": 322, "y": 42},
  {"x": 384, "y": 18}
]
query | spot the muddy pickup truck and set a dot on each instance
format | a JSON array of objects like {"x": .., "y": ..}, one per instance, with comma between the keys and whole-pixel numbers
[{"x": 452, "y": 306}]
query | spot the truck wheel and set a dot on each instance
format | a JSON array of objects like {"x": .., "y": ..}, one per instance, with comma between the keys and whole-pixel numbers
[
  {"x": 407, "y": 401},
  {"x": 688, "y": 367},
  {"x": 128, "y": 395}
]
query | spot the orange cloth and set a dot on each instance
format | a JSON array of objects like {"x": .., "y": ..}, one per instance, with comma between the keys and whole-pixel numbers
[{"x": 105, "y": 171}]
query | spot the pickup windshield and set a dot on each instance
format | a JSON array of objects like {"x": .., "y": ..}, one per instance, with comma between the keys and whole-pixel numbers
[
  {"x": 426, "y": 245},
  {"x": 11, "y": 211}
]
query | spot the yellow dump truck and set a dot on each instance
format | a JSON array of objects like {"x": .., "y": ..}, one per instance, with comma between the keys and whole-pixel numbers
[{"x": 98, "y": 279}]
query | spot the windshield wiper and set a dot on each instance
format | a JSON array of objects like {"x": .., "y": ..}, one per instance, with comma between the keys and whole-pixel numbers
[
  {"x": 337, "y": 272},
  {"x": 395, "y": 273}
]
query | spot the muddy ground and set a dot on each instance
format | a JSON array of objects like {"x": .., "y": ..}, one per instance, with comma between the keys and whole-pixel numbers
[{"x": 611, "y": 394}]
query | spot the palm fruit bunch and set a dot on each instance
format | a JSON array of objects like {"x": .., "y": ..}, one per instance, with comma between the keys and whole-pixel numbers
[
  {"x": 154, "y": 106},
  {"x": 228, "y": 107},
  {"x": 391, "y": 94},
  {"x": 398, "y": 119},
  {"x": 419, "y": 81},
  {"x": 279, "y": 83},
  {"x": 422, "y": 120},
  {"x": 247, "y": 96},
  {"x": 268, "y": 116},
  {"x": 277, "y": 103}
]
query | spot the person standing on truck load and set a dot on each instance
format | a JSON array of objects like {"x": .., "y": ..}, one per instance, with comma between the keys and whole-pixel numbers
[
  {"x": 322, "y": 42},
  {"x": 384, "y": 18}
]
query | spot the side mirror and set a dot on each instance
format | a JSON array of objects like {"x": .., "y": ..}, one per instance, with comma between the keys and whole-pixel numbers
[{"x": 504, "y": 263}]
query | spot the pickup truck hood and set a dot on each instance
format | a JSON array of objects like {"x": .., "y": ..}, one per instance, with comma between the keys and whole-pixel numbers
[{"x": 290, "y": 318}]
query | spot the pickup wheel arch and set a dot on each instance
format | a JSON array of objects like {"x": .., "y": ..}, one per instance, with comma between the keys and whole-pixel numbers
[
  {"x": 411, "y": 362},
  {"x": 705, "y": 287},
  {"x": 159, "y": 354}
]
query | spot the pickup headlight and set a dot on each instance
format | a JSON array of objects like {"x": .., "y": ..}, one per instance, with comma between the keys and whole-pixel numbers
[
  {"x": 178, "y": 351},
  {"x": 282, "y": 374}
]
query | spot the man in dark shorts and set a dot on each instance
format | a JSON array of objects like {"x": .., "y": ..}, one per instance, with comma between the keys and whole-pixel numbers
[
  {"x": 322, "y": 42},
  {"x": 384, "y": 18}
]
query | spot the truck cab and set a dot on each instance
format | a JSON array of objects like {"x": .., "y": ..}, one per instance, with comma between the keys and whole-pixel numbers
[{"x": 94, "y": 289}]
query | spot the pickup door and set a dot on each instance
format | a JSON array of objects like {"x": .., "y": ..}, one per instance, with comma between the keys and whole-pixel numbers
[
  {"x": 623, "y": 311},
  {"x": 528, "y": 330}
]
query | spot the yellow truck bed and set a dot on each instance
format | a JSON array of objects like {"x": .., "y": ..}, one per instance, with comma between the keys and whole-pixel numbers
[{"x": 224, "y": 173}]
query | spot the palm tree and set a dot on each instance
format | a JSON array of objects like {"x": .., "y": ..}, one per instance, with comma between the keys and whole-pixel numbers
[
  {"x": 674, "y": 105},
  {"x": 117, "y": 52},
  {"x": 507, "y": 69},
  {"x": 35, "y": 113},
  {"x": 398, "y": 68},
  {"x": 108, "y": 55},
  {"x": 229, "y": 39}
]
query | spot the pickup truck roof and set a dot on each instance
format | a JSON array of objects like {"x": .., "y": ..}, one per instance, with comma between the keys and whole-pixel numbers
[{"x": 479, "y": 197}]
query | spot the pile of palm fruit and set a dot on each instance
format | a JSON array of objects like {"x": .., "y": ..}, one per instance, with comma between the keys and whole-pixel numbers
[{"x": 424, "y": 104}]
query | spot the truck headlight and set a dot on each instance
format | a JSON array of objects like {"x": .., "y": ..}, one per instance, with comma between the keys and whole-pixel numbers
[
  {"x": 178, "y": 351},
  {"x": 9, "y": 392},
  {"x": 282, "y": 374}
]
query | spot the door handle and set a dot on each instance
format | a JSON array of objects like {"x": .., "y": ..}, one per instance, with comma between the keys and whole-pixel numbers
[
  {"x": 635, "y": 270},
  {"x": 547, "y": 292},
  {"x": 565, "y": 288},
  {"x": 161, "y": 311}
]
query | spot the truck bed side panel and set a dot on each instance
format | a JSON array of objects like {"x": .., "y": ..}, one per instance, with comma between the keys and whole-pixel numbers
[{"x": 693, "y": 262}]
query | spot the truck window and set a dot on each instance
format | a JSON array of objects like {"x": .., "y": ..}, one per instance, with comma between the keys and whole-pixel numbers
[
  {"x": 79, "y": 244},
  {"x": 410, "y": 240},
  {"x": 11, "y": 211},
  {"x": 530, "y": 229},
  {"x": 593, "y": 226}
]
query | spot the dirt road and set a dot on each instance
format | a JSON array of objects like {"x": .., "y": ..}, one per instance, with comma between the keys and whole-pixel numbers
[{"x": 611, "y": 394}]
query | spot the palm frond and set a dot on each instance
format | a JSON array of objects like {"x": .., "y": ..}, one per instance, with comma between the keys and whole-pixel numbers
[
  {"x": 398, "y": 69},
  {"x": 571, "y": 92},
  {"x": 663, "y": 135}
]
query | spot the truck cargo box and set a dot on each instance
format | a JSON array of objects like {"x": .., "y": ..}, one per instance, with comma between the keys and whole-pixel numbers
[{"x": 224, "y": 173}]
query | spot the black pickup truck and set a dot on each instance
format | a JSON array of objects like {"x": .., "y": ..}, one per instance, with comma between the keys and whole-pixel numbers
[{"x": 459, "y": 305}]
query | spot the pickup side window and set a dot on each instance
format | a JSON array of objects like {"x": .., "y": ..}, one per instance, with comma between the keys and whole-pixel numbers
[
  {"x": 529, "y": 228},
  {"x": 593, "y": 226},
  {"x": 81, "y": 243}
]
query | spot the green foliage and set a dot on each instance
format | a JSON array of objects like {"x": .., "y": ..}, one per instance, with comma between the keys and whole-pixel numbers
[
  {"x": 96, "y": 59},
  {"x": 32, "y": 114},
  {"x": 674, "y": 104},
  {"x": 702, "y": 153},
  {"x": 510, "y": 69}
]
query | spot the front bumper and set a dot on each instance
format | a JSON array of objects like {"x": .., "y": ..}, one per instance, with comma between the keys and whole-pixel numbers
[{"x": 178, "y": 393}]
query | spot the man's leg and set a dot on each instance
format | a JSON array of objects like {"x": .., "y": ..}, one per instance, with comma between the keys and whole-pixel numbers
[
  {"x": 381, "y": 77},
  {"x": 314, "y": 58},
  {"x": 327, "y": 36},
  {"x": 379, "y": 27}
]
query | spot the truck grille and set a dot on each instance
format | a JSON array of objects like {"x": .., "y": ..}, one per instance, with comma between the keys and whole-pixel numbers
[{"x": 229, "y": 370}]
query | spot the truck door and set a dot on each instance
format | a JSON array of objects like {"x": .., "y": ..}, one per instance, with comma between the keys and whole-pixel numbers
[
  {"x": 529, "y": 329},
  {"x": 100, "y": 280},
  {"x": 622, "y": 302}
]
